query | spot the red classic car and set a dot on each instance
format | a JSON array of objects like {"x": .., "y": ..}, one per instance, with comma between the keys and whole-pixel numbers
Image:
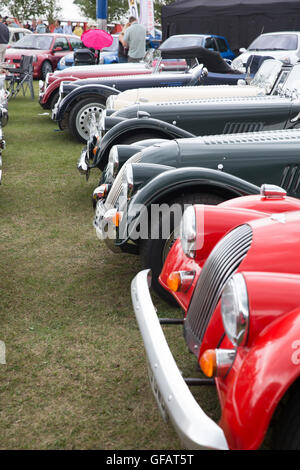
[
  {"x": 46, "y": 49},
  {"x": 236, "y": 273},
  {"x": 49, "y": 90}
]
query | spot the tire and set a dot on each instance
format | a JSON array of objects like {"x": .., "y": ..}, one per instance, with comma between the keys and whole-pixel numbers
[
  {"x": 46, "y": 68},
  {"x": 80, "y": 115},
  {"x": 154, "y": 252},
  {"x": 286, "y": 435},
  {"x": 54, "y": 99}
]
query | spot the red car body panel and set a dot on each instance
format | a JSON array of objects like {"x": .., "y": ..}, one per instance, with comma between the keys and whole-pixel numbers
[
  {"x": 218, "y": 220},
  {"x": 13, "y": 54},
  {"x": 268, "y": 364}
]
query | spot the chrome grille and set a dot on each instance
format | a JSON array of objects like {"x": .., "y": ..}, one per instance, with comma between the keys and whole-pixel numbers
[
  {"x": 116, "y": 188},
  {"x": 220, "y": 265}
]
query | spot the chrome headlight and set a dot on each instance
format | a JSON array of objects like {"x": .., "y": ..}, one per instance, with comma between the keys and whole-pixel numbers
[
  {"x": 101, "y": 122},
  {"x": 47, "y": 80},
  {"x": 237, "y": 64},
  {"x": 61, "y": 88},
  {"x": 127, "y": 184},
  {"x": 63, "y": 61},
  {"x": 110, "y": 101},
  {"x": 113, "y": 162},
  {"x": 101, "y": 60},
  {"x": 188, "y": 233},
  {"x": 235, "y": 310}
]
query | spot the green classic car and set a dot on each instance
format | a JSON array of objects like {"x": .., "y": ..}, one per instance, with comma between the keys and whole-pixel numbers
[
  {"x": 190, "y": 118},
  {"x": 205, "y": 170}
]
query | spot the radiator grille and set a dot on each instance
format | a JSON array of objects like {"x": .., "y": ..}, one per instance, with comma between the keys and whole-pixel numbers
[{"x": 220, "y": 265}]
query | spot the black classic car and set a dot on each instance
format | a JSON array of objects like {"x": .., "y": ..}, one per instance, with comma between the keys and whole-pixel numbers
[
  {"x": 79, "y": 99},
  {"x": 192, "y": 118},
  {"x": 177, "y": 173}
]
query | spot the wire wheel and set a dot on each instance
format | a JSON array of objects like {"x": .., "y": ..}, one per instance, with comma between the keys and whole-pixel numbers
[{"x": 80, "y": 118}]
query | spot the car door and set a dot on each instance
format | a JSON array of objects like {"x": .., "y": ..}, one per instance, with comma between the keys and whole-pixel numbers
[
  {"x": 60, "y": 42},
  {"x": 224, "y": 49}
]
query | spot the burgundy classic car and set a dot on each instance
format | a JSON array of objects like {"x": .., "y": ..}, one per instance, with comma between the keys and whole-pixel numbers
[
  {"x": 235, "y": 271},
  {"x": 49, "y": 89}
]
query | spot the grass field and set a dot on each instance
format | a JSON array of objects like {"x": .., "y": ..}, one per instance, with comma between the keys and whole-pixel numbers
[{"x": 76, "y": 373}]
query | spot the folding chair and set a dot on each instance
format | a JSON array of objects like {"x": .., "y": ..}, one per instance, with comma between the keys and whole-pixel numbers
[{"x": 20, "y": 78}]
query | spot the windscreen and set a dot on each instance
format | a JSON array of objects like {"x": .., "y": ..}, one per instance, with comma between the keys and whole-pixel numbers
[
  {"x": 275, "y": 42},
  {"x": 34, "y": 41}
]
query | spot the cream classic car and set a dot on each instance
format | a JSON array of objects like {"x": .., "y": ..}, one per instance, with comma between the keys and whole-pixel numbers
[{"x": 263, "y": 83}]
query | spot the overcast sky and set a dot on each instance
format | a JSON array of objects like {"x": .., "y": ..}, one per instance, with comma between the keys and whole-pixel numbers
[{"x": 70, "y": 11}]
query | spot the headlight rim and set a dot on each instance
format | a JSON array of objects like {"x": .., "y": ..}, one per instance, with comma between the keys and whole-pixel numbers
[
  {"x": 188, "y": 238},
  {"x": 241, "y": 301}
]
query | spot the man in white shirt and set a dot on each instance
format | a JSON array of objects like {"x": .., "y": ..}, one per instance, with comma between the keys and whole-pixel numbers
[
  {"x": 135, "y": 39},
  {"x": 67, "y": 29}
]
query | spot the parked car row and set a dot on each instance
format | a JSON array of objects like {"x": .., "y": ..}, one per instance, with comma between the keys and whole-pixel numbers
[
  {"x": 3, "y": 117},
  {"x": 203, "y": 184},
  {"x": 81, "y": 98}
]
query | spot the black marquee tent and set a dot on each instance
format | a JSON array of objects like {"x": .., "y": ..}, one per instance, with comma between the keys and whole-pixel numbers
[{"x": 240, "y": 21}]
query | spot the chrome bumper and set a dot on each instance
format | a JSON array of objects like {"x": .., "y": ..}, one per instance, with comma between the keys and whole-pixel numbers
[
  {"x": 195, "y": 429},
  {"x": 55, "y": 109},
  {"x": 83, "y": 164},
  {"x": 104, "y": 227}
]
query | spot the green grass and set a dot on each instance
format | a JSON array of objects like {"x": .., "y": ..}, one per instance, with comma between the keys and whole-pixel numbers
[{"x": 76, "y": 373}]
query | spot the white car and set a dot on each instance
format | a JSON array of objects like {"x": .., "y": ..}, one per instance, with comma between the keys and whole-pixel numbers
[
  {"x": 283, "y": 45},
  {"x": 17, "y": 33}
]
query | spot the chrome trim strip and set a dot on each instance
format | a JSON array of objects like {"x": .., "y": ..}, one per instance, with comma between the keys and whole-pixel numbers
[{"x": 195, "y": 429}]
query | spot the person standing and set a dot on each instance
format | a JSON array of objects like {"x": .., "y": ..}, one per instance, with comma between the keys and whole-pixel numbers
[
  {"x": 78, "y": 30},
  {"x": 68, "y": 28},
  {"x": 33, "y": 25},
  {"x": 58, "y": 28},
  {"x": 4, "y": 38},
  {"x": 135, "y": 40},
  {"x": 123, "y": 50},
  {"x": 40, "y": 27}
]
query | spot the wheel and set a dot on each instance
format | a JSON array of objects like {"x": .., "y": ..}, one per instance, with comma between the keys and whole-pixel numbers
[
  {"x": 54, "y": 99},
  {"x": 153, "y": 252},
  {"x": 79, "y": 118},
  {"x": 46, "y": 68},
  {"x": 286, "y": 434}
]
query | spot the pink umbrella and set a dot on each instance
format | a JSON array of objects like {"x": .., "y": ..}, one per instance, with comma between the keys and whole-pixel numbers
[{"x": 96, "y": 39}]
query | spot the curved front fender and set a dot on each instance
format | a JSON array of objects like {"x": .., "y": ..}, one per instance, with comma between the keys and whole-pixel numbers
[
  {"x": 172, "y": 183},
  {"x": 81, "y": 93},
  {"x": 124, "y": 128},
  {"x": 258, "y": 381}
]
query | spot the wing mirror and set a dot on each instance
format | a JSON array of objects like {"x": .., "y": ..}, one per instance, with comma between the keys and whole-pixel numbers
[
  {"x": 57, "y": 49},
  {"x": 242, "y": 49}
]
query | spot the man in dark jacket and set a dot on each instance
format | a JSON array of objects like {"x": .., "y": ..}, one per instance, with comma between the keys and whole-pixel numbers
[{"x": 4, "y": 38}]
